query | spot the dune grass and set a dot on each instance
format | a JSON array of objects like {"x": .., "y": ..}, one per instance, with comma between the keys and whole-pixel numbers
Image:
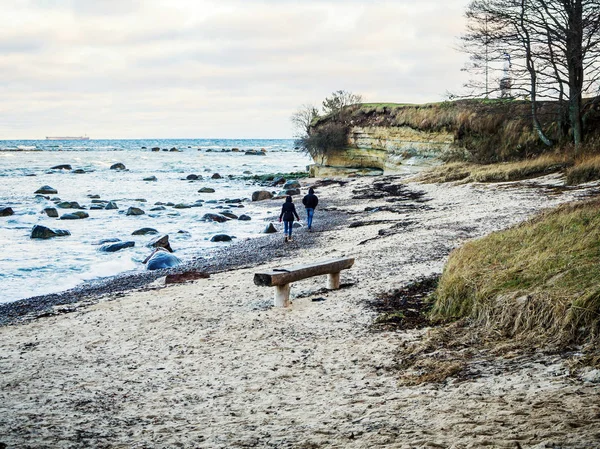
[
  {"x": 541, "y": 278},
  {"x": 502, "y": 172}
]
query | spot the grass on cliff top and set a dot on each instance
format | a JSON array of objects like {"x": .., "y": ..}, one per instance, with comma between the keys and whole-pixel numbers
[
  {"x": 501, "y": 172},
  {"x": 538, "y": 279}
]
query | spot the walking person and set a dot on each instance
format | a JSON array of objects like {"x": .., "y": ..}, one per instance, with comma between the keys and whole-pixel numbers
[
  {"x": 310, "y": 202},
  {"x": 288, "y": 211}
]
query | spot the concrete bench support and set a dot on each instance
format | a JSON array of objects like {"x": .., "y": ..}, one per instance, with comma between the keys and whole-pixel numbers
[{"x": 282, "y": 278}]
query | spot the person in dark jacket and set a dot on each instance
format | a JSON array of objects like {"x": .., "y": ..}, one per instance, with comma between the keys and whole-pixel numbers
[
  {"x": 310, "y": 202},
  {"x": 288, "y": 211}
]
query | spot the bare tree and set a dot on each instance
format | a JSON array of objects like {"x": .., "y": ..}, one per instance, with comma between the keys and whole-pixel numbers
[
  {"x": 555, "y": 46},
  {"x": 303, "y": 118}
]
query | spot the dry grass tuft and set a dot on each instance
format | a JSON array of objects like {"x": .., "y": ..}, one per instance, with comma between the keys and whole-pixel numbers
[
  {"x": 540, "y": 279},
  {"x": 586, "y": 169}
]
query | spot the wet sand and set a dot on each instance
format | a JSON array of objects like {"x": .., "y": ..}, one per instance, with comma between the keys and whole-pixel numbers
[{"x": 212, "y": 364}]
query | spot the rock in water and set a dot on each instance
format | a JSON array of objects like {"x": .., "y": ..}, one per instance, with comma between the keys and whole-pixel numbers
[
  {"x": 270, "y": 229},
  {"x": 51, "y": 212},
  {"x": 134, "y": 211},
  {"x": 62, "y": 167},
  {"x": 206, "y": 190},
  {"x": 215, "y": 217},
  {"x": 161, "y": 242},
  {"x": 162, "y": 259},
  {"x": 6, "y": 211},
  {"x": 156, "y": 149},
  {"x": 244, "y": 217},
  {"x": 42, "y": 232},
  {"x": 117, "y": 166},
  {"x": 216, "y": 176},
  {"x": 46, "y": 190},
  {"x": 261, "y": 195},
  {"x": 191, "y": 177},
  {"x": 145, "y": 231},
  {"x": 220, "y": 238},
  {"x": 111, "y": 205},
  {"x": 75, "y": 216},
  {"x": 151, "y": 178},
  {"x": 229, "y": 215},
  {"x": 114, "y": 247}
]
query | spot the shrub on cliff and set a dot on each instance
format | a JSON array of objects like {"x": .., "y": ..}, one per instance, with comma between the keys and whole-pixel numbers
[
  {"x": 324, "y": 139},
  {"x": 538, "y": 279}
]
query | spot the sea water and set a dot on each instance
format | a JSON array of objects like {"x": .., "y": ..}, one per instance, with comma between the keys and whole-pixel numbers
[{"x": 31, "y": 267}]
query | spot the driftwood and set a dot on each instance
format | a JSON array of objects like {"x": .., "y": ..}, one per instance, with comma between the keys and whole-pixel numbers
[{"x": 282, "y": 278}]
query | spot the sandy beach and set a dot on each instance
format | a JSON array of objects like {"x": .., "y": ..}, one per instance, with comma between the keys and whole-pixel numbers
[{"x": 211, "y": 364}]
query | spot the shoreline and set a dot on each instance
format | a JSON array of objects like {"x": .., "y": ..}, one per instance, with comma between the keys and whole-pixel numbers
[
  {"x": 212, "y": 364},
  {"x": 230, "y": 257}
]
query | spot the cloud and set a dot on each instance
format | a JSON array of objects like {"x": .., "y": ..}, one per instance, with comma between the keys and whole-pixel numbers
[{"x": 225, "y": 68}]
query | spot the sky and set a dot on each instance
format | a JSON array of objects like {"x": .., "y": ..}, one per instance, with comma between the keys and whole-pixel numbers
[{"x": 214, "y": 68}]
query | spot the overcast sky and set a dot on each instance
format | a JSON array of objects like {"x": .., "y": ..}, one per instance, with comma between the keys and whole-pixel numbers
[{"x": 214, "y": 68}]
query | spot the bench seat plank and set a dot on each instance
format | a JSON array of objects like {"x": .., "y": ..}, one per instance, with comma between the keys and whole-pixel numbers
[{"x": 292, "y": 274}]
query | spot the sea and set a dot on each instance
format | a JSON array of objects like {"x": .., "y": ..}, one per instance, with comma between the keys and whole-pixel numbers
[{"x": 32, "y": 267}]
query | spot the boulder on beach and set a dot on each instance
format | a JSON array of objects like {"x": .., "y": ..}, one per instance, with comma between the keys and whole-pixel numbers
[
  {"x": 175, "y": 150},
  {"x": 297, "y": 225},
  {"x": 118, "y": 166},
  {"x": 145, "y": 231},
  {"x": 97, "y": 207},
  {"x": 278, "y": 181},
  {"x": 215, "y": 217},
  {"x": 46, "y": 190},
  {"x": 220, "y": 238},
  {"x": 6, "y": 211},
  {"x": 233, "y": 201},
  {"x": 206, "y": 190},
  {"x": 42, "y": 232},
  {"x": 62, "y": 167},
  {"x": 161, "y": 242},
  {"x": 291, "y": 184},
  {"x": 160, "y": 259},
  {"x": 151, "y": 178},
  {"x": 216, "y": 176},
  {"x": 114, "y": 247},
  {"x": 157, "y": 208},
  {"x": 111, "y": 205},
  {"x": 192, "y": 177},
  {"x": 182, "y": 206},
  {"x": 51, "y": 212},
  {"x": 261, "y": 195},
  {"x": 135, "y": 211},
  {"x": 270, "y": 229},
  {"x": 244, "y": 217},
  {"x": 69, "y": 205},
  {"x": 75, "y": 216},
  {"x": 291, "y": 192}
]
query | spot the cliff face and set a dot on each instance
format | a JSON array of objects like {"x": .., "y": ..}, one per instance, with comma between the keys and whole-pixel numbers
[
  {"x": 391, "y": 136},
  {"x": 382, "y": 148}
]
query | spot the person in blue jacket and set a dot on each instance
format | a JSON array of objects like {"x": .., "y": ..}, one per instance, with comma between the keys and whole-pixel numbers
[
  {"x": 288, "y": 211},
  {"x": 310, "y": 202}
]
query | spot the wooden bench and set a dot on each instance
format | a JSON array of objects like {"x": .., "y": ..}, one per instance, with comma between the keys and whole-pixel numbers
[{"x": 281, "y": 278}]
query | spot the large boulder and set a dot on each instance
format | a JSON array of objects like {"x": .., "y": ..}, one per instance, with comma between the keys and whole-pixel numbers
[
  {"x": 114, "y": 247},
  {"x": 161, "y": 242},
  {"x": 161, "y": 259},
  {"x": 135, "y": 211},
  {"x": 42, "y": 232},
  {"x": 261, "y": 195},
  {"x": 270, "y": 229},
  {"x": 6, "y": 211},
  {"x": 292, "y": 192},
  {"x": 145, "y": 231},
  {"x": 62, "y": 167},
  {"x": 215, "y": 217},
  {"x": 46, "y": 190},
  {"x": 118, "y": 166}
]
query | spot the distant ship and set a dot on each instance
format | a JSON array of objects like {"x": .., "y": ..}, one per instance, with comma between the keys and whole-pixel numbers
[{"x": 68, "y": 138}]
